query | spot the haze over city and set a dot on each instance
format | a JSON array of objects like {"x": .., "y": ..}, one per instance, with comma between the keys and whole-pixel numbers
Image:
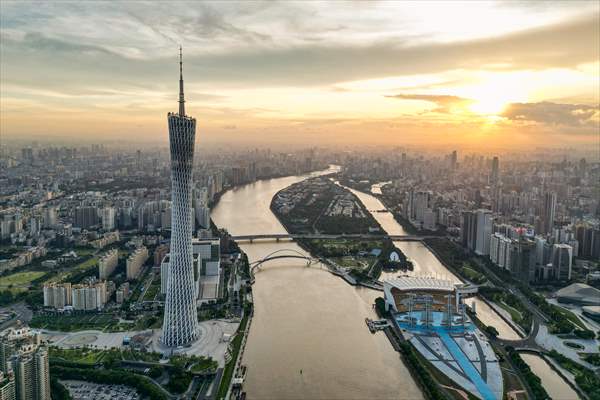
[{"x": 475, "y": 75}]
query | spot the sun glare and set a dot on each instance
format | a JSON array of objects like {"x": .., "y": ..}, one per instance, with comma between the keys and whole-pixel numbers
[
  {"x": 488, "y": 106},
  {"x": 493, "y": 96}
]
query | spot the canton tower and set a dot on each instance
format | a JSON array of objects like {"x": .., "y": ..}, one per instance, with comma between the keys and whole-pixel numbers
[{"x": 180, "y": 324}]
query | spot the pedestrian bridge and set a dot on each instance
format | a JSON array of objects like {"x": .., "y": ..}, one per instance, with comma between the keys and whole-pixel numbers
[
  {"x": 282, "y": 253},
  {"x": 328, "y": 236}
]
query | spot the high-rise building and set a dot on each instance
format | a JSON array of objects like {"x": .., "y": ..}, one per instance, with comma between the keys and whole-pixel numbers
[
  {"x": 22, "y": 355},
  {"x": 548, "y": 212},
  {"x": 469, "y": 230},
  {"x": 107, "y": 263},
  {"x": 562, "y": 258},
  {"x": 588, "y": 238},
  {"x": 203, "y": 216},
  {"x": 417, "y": 205},
  {"x": 31, "y": 371},
  {"x": 135, "y": 262},
  {"x": 50, "y": 217},
  {"x": 521, "y": 259},
  {"x": 89, "y": 297},
  {"x": 164, "y": 274},
  {"x": 159, "y": 253},
  {"x": 108, "y": 215},
  {"x": 85, "y": 217},
  {"x": 180, "y": 324},
  {"x": 122, "y": 293},
  {"x": 484, "y": 231},
  {"x": 57, "y": 295},
  {"x": 7, "y": 386},
  {"x": 495, "y": 173},
  {"x": 206, "y": 266}
]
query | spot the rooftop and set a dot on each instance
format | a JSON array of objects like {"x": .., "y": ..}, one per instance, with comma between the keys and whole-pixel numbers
[
  {"x": 579, "y": 292},
  {"x": 420, "y": 283}
]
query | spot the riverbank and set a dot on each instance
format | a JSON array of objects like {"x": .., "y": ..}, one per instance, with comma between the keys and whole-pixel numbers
[
  {"x": 432, "y": 263},
  {"x": 215, "y": 201},
  {"x": 388, "y": 203},
  {"x": 343, "y": 257},
  {"x": 303, "y": 316},
  {"x": 237, "y": 347}
]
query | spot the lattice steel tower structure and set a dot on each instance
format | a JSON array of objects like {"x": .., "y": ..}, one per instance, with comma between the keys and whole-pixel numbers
[{"x": 180, "y": 324}]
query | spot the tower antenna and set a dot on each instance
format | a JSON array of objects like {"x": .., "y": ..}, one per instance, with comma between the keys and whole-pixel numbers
[{"x": 181, "y": 98}]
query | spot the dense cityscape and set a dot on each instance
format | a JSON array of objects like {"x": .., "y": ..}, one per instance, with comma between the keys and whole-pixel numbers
[
  {"x": 343, "y": 204},
  {"x": 85, "y": 253}
]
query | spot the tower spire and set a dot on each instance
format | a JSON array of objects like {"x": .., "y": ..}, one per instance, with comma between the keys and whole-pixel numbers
[{"x": 181, "y": 99}]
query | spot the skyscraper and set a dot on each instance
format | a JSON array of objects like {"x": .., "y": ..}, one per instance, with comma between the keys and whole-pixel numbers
[
  {"x": 180, "y": 324},
  {"x": 469, "y": 230},
  {"x": 484, "y": 231},
  {"x": 548, "y": 212},
  {"x": 23, "y": 357},
  {"x": 562, "y": 256},
  {"x": 495, "y": 174}
]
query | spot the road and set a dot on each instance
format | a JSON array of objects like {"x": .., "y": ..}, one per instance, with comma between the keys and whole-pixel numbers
[{"x": 22, "y": 313}]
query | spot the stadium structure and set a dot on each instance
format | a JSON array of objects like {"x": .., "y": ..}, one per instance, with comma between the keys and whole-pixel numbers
[{"x": 430, "y": 314}]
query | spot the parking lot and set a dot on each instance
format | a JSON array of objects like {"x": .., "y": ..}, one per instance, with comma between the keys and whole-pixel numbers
[{"x": 86, "y": 390}]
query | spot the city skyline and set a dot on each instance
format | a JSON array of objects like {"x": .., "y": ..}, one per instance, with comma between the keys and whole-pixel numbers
[
  {"x": 384, "y": 199},
  {"x": 502, "y": 75}
]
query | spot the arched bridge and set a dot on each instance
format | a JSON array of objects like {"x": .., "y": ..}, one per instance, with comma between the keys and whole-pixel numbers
[
  {"x": 281, "y": 253},
  {"x": 324, "y": 236}
]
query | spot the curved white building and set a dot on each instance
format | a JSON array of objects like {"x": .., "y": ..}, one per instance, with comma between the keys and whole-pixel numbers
[{"x": 180, "y": 324}]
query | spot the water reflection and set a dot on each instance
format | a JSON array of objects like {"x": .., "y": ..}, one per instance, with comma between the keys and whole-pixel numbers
[
  {"x": 556, "y": 387},
  {"x": 307, "y": 319}
]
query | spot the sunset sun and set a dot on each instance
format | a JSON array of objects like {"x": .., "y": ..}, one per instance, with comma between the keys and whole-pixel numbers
[{"x": 488, "y": 106}]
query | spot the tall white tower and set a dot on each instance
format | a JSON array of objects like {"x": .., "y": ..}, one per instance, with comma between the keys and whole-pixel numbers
[{"x": 180, "y": 324}]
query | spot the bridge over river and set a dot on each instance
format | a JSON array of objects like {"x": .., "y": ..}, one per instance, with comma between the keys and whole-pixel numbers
[{"x": 328, "y": 236}]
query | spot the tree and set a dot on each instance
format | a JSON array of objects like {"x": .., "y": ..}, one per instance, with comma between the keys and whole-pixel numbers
[
  {"x": 584, "y": 334},
  {"x": 490, "y": 330},
  {"x": 155, "y": 372},
  {"x": 380, "y": 307}
]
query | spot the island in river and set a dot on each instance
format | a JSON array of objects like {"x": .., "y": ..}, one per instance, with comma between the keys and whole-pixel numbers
[{"x": 319, "y": 205}]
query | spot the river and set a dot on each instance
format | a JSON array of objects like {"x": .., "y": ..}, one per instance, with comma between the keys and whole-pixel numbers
[
  {"x": 308, "y": 338},
  {"x": 551, "y": 381},
  {"x": 427, "y": 264}
]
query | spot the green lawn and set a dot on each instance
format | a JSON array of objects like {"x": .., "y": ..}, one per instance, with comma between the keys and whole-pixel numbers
[
  {"x": 72, "y": 323},
  {"x": 205, "y": 365},
  {"x": 472, "y": 274},
  {"x": 570, "y": 316},
  {"x": 153, "y": 290},
  {"x": 514, "y": 313},
  {"x": 86, "y": 264},
  {"x": 78, "y": 355},
  {"x": 84, "y": 251},
  {"x": 20, "y": 281},
  {"x": 350, "y": 262}
]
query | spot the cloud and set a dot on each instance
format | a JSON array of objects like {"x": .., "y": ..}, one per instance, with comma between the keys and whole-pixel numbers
[
  {"x": 445, "y": 103},
  {"x": 244, "y": 57},
  {"x": 571, "y": 115}
]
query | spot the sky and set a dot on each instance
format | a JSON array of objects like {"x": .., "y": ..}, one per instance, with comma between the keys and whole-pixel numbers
[{"x": 474, "y": 74}]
